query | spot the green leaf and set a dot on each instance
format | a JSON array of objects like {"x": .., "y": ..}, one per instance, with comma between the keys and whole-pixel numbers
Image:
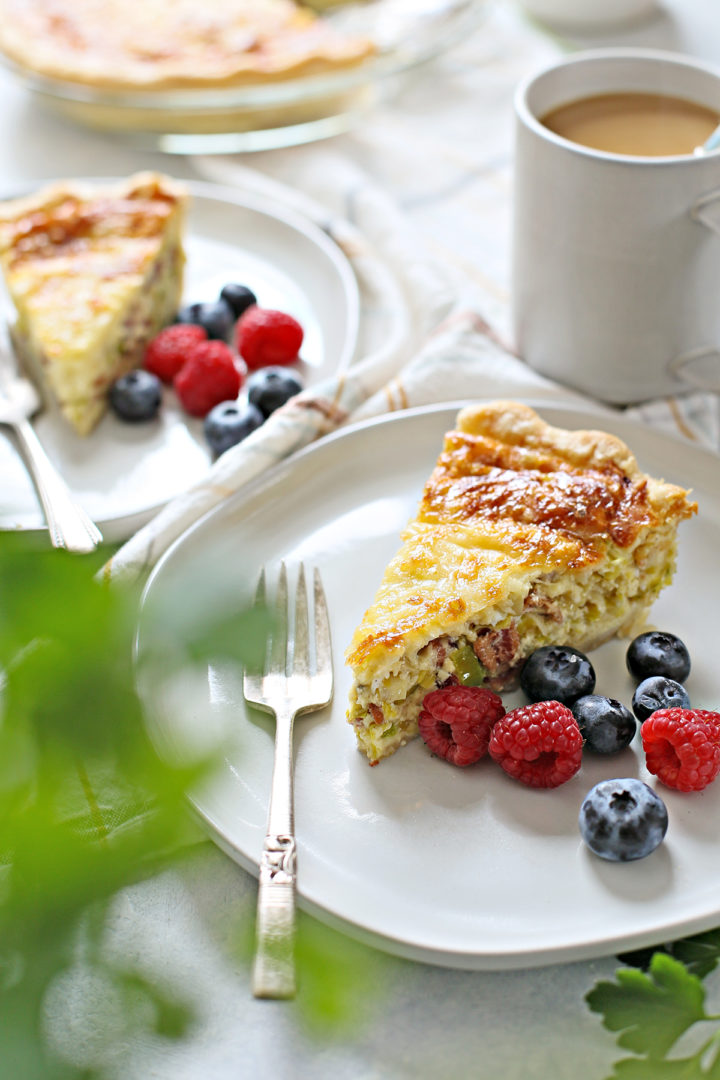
[
  {"x": 700, "y": 953},
  {"x": 713, "y": 1072},
  {"x": 337, "y": 978},
  {"x": 651, "y": 1069},
  {"x": 651, "y": 1010},
  {"x": 341, "y": 982},
  {"x": 704, "y": 1065}
]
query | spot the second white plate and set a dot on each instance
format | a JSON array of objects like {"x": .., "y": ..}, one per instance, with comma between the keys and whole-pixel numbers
[
  {"x": 465, "y": 868},
  {"x": 123, "y": 473}
]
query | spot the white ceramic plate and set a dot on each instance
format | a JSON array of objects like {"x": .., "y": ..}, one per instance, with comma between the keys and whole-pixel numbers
[
  {"x": 123, "y": 473},
  {"x": 465, "y": 868}
]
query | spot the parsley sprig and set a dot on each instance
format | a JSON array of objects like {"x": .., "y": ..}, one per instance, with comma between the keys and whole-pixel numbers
[{"x": 653, "y": 1009}]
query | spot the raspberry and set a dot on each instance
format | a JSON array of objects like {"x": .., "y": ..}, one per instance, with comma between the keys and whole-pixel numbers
[
  {"x": 207, "y": 377},
  {"x": 540, "y": 744},
  {"x": 167, "y": 351},
  {"x": 682, "y": 748},
  {"x": 456, "y": 722},
  {"x": 712, "y": 719},
  {"x": 265, "y": 337}
]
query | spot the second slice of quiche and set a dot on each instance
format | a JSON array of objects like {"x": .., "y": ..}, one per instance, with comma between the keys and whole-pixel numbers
[
  {"x": 526, "y": 535},
  {"x": 94, "y": 271}
]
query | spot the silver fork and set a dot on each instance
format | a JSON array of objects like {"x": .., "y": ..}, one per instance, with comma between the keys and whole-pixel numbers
[
  {"x": 68, "y": 524},
  {"x": 289, "y": 685}
]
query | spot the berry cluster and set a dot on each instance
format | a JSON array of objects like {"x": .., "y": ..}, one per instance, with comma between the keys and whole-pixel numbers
[
  {"x": 538, "y": 744},
  {"x": 541, "y": 744},
  {"x": 681, "y": 744},
  {"x": 206, "y": 355}
]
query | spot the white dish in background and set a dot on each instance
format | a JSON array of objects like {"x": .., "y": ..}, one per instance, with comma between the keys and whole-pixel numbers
[
  {"x": 123, "y": 473},
  {"x": 464, "y": 868}
]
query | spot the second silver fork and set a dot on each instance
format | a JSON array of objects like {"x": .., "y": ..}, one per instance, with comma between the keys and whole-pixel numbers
[
  {"x": 289, "y": 685},
  {"x": 68, "y": 524}
]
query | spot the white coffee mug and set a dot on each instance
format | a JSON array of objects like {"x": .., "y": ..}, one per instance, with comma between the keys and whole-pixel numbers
[{"x": 616, "y": 259}]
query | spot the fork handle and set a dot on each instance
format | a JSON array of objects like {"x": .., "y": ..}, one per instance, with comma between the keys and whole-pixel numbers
[
  {"x": 274, "y": 965},
  {"x": 68, "y": 524}
]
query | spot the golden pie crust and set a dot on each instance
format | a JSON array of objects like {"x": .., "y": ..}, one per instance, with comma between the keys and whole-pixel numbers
[{"x": 113, "y": 45}]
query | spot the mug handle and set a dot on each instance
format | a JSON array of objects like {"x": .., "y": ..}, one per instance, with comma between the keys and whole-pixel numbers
[
  {"x": 689, "y": 366},
  {"x": 697, "y": 211}
]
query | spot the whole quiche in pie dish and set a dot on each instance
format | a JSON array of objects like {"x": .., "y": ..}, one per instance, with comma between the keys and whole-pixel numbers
[
  {"x": 222, "y": 75},
  {"x": 173, "y": 44},
  {"x": 185, "y": 76}
]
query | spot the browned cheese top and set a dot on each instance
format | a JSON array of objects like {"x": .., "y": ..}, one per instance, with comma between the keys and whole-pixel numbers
[
  {"x": 71, "y": 225},
  {"x": 480, "y": 478}
]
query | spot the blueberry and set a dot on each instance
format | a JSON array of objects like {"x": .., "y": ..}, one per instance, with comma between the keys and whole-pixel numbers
[
  {"x": 229, "y": 423},
  {"x": 136, "y": 396},
  {"x": 271, "y": 387},
  {"x": 215, "y": 316},
  {"x": 657, "y": 692},
  {"x": 557, "y": 673},
  {"x": 606, "y": 724},
  {"x": 658, "y": 653},
  {"x": 623, "y": 819},
  {"x": 239, "y": 297}
]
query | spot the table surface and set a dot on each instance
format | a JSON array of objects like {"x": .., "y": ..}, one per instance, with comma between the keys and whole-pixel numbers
[{"x": 421, "y": 1021}]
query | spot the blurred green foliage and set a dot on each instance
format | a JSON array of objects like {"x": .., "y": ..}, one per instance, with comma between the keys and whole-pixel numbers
[{"x": 86, "y": 805}]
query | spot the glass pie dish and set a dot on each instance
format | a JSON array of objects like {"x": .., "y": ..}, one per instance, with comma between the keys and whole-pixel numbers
[{"x": 272, "y": 114}]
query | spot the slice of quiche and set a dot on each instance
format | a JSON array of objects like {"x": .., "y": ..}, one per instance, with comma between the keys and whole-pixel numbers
[
  {"x": 526, "y": 535},
  {"x": 94, "y": 271}
]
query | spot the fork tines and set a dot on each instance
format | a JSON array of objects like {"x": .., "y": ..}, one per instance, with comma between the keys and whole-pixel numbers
[{"x": 292, "y": 668}]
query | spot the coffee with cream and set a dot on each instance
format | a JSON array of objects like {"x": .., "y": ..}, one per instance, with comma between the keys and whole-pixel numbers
[{"x": 637, "y": 124}]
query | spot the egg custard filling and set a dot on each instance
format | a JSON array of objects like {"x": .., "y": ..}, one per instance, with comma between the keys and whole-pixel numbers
[
  {"x": 526, "y": 535},
  {"x": 94, "y": 271}
]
